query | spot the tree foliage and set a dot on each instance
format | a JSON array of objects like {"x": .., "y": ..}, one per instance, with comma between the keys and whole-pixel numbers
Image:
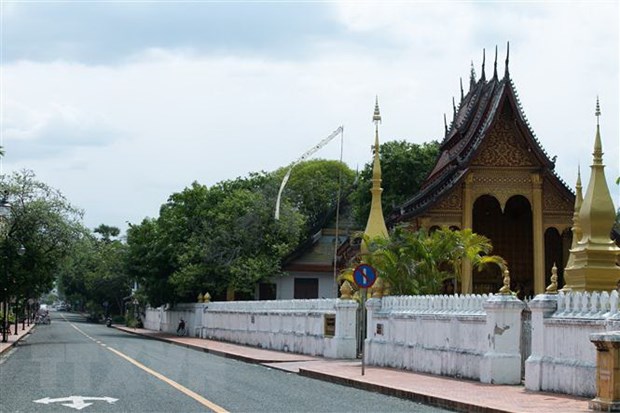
[
  {"x": 416, "y": 262},
  {"x": 46, "y": 225},
  {"x": 94, "y": 275},
  {"x": 225, "y": 237},
  {"x": 404, "y": 166}
]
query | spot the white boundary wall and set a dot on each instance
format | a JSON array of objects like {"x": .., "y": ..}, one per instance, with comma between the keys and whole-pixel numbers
[
  {"x": 296, "y": 326},
  {"x": 471, "y": 336},
  {"x": 563, "y": 359},
  {"x": 167, "y": 320}
]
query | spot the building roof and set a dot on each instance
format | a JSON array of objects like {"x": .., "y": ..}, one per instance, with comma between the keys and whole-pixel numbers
[{"x": 474, "y": 118}]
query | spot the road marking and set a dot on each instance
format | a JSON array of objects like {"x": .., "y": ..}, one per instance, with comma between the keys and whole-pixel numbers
[
  {"x": 214, "y": 407},
  {"x": 173, "y": 383},
  {"x": 76, "y": 402}
]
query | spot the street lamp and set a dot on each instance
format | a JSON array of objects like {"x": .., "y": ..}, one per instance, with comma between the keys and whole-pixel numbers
[
  {"x": 5, "y": 214},
  {"x": 20, "y": 251}
]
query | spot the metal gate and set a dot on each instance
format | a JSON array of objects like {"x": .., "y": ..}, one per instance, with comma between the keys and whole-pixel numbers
[{"x": 526, "y": 337}]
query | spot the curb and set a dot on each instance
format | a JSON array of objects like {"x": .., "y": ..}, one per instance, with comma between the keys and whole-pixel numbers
[
  {"x": 14, "y": 343},
  {"x": 233, "y": 356},
  {"x": 426, "y": 399}
]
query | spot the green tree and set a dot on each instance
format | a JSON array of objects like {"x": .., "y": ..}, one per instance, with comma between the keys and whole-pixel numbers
[
  {"x": 404, "y": 166},
  {"x": 225, "y": 237},
  {"x": 94, "y": 274},
  {"x": 107, "y": 232},
  {"x": 42, "y": 224},
  {"x": 415, "y": 262},
  {"x": 313, "y": 187}
]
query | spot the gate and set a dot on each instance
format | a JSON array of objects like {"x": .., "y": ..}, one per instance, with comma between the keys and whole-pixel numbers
[{"x": 526, "y": 337}]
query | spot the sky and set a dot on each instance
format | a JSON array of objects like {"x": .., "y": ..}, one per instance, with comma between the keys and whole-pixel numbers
[{"x": 120, "y": 104}]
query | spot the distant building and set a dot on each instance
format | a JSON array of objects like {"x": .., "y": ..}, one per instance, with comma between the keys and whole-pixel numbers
[{"x": 310, "y": 269}]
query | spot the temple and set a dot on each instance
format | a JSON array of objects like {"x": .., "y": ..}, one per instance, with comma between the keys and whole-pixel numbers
[{"x": 493, "y": 175}]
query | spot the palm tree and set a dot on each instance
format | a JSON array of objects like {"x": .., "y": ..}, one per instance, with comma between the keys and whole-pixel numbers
[
  {"x": 467, "y": 245},
  {"x": 415, "y": 262}
]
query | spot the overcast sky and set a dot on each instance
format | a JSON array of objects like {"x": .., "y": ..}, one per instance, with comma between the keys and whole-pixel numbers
[{"x": 120, "y": 104}]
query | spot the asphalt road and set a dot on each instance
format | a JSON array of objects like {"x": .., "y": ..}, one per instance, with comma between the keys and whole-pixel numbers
[{"x": 72, "y": 365}]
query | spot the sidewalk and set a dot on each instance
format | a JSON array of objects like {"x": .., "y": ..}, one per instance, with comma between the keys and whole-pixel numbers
[
  {"x": 449, "y": 393},
  {"x": 12, "y": 338}
]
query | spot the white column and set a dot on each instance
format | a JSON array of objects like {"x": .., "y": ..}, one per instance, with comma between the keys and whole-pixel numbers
[
  {"x": 543, "y": 306},
  {"x": 501, "y": 364}
]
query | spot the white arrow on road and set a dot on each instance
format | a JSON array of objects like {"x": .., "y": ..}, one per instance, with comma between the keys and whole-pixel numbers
[{"x": 76, "y": 402}]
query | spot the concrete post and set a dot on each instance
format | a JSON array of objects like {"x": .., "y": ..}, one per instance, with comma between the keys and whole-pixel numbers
[
  {"x": 542, "y": 307},
  {"x": 501, "y": 364},
  {"x": 607, "y": 372},
  {"x": 372, "y": 306},
  {"x": 344, "y": 342}
]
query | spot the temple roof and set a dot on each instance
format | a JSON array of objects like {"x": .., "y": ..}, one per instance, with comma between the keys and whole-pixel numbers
[{"x": 474, "y": 118}]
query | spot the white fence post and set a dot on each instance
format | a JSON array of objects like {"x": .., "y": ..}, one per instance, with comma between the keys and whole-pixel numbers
[
  {"x": 501, "y": 363},
  {"x": 542, "y": 307},
  {"x": 344, "y": 340}
]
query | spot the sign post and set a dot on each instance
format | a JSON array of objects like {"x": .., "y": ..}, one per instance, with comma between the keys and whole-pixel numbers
[{"x": 364, "y": 276}]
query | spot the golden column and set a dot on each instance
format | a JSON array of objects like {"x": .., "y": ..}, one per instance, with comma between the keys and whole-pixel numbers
[
  {"x": 468, "y": 216},
  {"x": 594, "y": 258},
  {"x": 375, "y": 226},
  {"x": 538, "y": 235}
]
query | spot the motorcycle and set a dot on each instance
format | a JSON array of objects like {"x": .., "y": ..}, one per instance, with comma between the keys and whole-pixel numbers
[{"x": 108, "y": 322}]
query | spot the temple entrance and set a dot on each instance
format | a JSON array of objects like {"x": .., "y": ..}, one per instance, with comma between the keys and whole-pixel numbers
[{"x": 510, "y": 232}]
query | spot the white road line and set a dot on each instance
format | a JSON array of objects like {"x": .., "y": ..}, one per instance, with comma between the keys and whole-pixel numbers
[{"x": 205, "y": 402}]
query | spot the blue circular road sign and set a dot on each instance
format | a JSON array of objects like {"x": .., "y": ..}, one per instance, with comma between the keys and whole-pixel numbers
[{"x": 364, "y": 276}]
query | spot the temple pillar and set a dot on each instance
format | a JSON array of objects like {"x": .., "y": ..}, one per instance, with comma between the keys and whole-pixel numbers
[
  {"x": 538, "y": 234},
  {"x": 468, "y": 207}
]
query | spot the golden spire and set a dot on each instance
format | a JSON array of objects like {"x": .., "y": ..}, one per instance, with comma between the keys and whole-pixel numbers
[
  {"x": 594, "y": 257},
  {"x": 598, "y": 147},
  {"x": 597, "y": 214},
  {"x": 376, "y": 224},
  {"x": 576, "y": 229}
]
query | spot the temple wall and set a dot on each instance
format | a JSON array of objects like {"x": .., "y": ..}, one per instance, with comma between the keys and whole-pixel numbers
[
  {"x": 297, "y": 326},
  {"x": 563, "y": 359}
]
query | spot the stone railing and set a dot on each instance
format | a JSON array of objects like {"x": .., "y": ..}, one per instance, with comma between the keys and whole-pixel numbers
[
  {"x": 274, "y": 305},
  {"x": 596, "y": 305},
  {"x": 466, "y": 304}
]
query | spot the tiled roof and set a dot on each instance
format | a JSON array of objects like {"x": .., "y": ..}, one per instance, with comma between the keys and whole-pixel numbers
[{"x": 474, "y": 118}]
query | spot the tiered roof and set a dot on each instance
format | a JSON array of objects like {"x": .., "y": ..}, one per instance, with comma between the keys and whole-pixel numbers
[{"x": 474, "y": 118}]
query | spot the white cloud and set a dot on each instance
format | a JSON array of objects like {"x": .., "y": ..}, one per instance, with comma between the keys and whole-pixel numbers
[{"x": 171, "y": 117}]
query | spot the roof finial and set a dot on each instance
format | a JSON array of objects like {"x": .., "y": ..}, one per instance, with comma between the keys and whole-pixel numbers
[
  {"x": 376, "y": 117},
  {"x": 453, "y": 108},
  {"x": 445, "y": 123},
  {"x": 506, "y": 74},
  {"x": 598, "y": 147},
  {"x": 482, "y": 76},
  {"x": 472, "y": 76},
  {"x": 462, "y": 94},
  {"x": 495, "y": 64}
]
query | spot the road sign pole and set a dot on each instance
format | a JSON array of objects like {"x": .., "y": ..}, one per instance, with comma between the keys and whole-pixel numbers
[
  {"x": 364, "y": 291},
  {"x": 364, "y": 277}
]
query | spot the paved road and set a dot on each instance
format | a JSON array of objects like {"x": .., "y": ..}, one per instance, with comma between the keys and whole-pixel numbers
[{"x": 71, "y": 365}]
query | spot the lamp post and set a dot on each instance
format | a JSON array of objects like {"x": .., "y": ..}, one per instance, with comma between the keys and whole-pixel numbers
[
  {"x": 20, "y": 251},
  {"x": 5, "y": 214}
]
